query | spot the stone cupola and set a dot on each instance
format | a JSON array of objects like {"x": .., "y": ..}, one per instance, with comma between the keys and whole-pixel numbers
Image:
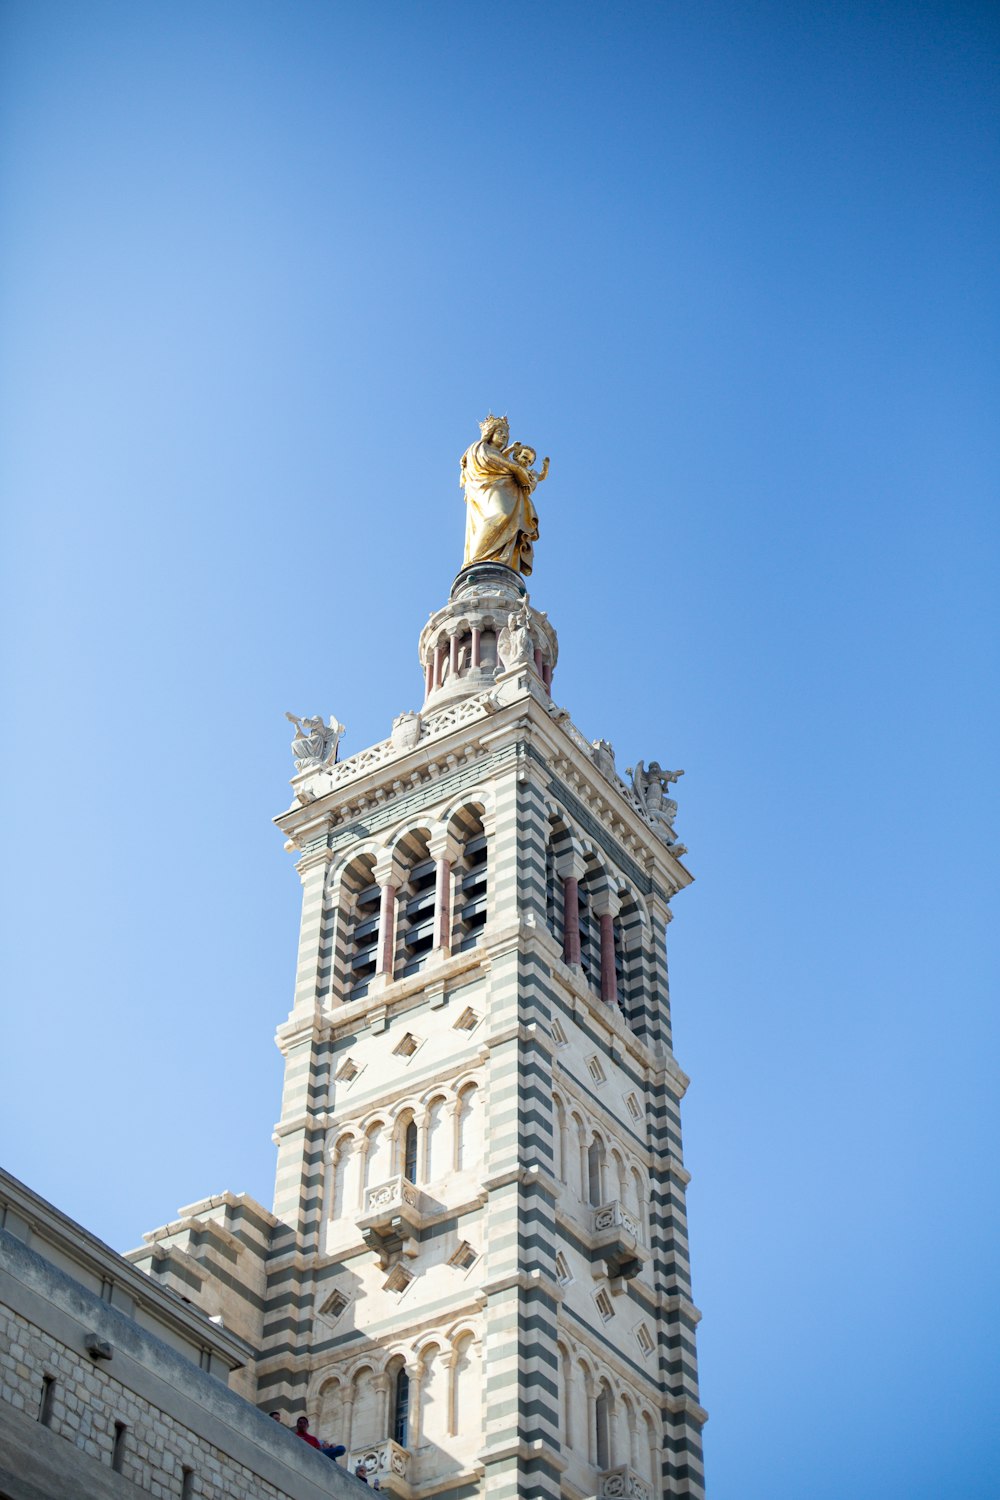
[{"x": 461, "y": 650}]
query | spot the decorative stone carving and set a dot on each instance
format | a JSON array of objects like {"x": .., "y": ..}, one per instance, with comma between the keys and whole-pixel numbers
[
  {"x": 603, "y": 753},
  {"x": 315, "y": 744},
  {"x": 501, "y": 520},
  {"x": 624, "y": 1482},
  {"x": 383, "y": 1461},
  {"x": 650, "y": 788},
  {"x": 405, "y": 731},
  {"x": 515, "y": 645}
]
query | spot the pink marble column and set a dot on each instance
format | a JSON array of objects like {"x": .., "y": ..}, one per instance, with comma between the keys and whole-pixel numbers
[
  {"x": 547, "y": 676},
  {"x": 386, "y": 930},
  {"x": 429, "y": 678},
  {"x": 442, "y": 905},
  {"x": 439, "y": 659},
  {"x": 453, "y": 659},
  {"x": 609, "y": 982},
  {"x": 571, "y": 919},
  {"x": 538, "y": 660},
  {"x": 476, "y": 635}
]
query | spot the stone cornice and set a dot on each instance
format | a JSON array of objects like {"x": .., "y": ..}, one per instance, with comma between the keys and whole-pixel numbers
[{"x": 468, "y": 730}]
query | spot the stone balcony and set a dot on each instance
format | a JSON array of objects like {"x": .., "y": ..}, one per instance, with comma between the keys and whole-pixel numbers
[
  {"x": 389, "y": 1464},
  {"x": 393, "y": 1219},
  {"x": 617, "y": 1250},
  {"x": 624, "y": 1482}
]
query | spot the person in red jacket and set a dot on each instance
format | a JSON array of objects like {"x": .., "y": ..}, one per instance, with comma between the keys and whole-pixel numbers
[{"x": 302, "y": 1431}]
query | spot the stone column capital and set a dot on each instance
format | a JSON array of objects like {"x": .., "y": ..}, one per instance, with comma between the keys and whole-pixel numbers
[{"x": 571, "y": 865}]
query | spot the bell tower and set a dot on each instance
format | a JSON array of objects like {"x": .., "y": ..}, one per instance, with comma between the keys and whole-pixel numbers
[
  {"x": 476, "y": 1275},
  {"x": 479, "y": 1279}
]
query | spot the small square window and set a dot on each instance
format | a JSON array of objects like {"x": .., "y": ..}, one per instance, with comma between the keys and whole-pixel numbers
[
  {"x": 465, "y": 1256},
  {"x": 605, "y": 1306},
  {"x": 467, "y": 1021},
  {"x": 633, "y": 1106},
  {"x": 398, "y": 1279},
  {"x": 563, "y": 1273},
  {"x": 595, "y": 1070},
  {"x": 644, "y": 1339},
  {"x": 407, "y": 1045},
  {"x": 348, "y": 1071},
  {"x": 558, "y": 1034},
  {"x": 334, "y": 1305}
]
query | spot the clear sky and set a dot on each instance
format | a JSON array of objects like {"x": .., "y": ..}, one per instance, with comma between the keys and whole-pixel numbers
[{"x": 734, "y": 266}]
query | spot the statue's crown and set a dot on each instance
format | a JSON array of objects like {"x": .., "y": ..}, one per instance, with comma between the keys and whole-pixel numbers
[{"x": 491, "y": 421}]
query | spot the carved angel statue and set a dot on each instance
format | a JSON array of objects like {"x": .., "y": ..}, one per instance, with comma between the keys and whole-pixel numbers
[
  {"x": 315, "y": 744},
  {"x": 515, "y": 646},
  {"x": 501, "y": 522},
  {"x": 650, "y": 786}
]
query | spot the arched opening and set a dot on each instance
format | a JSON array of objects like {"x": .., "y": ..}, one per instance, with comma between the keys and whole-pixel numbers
[
  {"x": 399, "y": 1426},
  {"x": 595, "y": 1172},
  {"x": 410, "y": 1146},
  {"x": 467, "y": 1406},
  {"x": 360, "y": 898},
  {"x": 415, "y": 919},
  {"x": 559, "y": 843},
  {"x": 602, "y": 1427},
  {"x": 471, "y": 879},
  {"x": 590, "y": 924},
  {"x": 469, "y": 1146},
  {"x": 628, "y": 958},
  {"x": 439, "y": 1154}
]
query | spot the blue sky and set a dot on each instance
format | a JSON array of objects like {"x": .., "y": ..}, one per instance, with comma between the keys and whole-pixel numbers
[{"x": 734, "y": 267}]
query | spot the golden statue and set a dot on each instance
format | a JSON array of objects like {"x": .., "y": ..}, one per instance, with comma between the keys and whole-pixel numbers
[{"x": 501, "y": 521}]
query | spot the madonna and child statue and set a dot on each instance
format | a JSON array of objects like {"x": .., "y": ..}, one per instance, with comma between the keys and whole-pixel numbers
[{"x": 501, "y": 521}]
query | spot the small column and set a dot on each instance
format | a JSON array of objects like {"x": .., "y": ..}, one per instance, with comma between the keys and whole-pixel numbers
[
  {"x": 347, "y": 1410},
  {"x": 442, "y": 906},
  {"x": 453, "y": 642},
  {"x": 415, "y": 1373},
  {"x": 439, "y": 660},
  {"x": 571, "y": 868},
  {"x": 429, "y": 677},
  {"x": 444, "y": 851},
  {"x": 547, "y": 676},
  {"x": 387, "y": 878},
  {"x": 538, "y": 660},
  {"x": 381, "y": 1387},
  {"x": 476, "y": 637}
]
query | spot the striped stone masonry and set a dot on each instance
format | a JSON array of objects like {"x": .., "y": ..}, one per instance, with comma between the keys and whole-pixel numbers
[{"x": 476, "y": 1275}]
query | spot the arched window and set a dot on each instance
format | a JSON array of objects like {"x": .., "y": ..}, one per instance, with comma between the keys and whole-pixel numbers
[
  {"x": 410, "y": 1143},
  {"x": 595, "y": 1172},
  {"x": 433, "y": 1397},
  {"x": 628, "y": 958},
  {"x": 565, "y": 1391},
  {"x": 590, "y": 925},
  {"x": 559, "y": 1141},
  {"x": 559, "y": 843},
  {"x": 650, "y": 1448},
  {"x": 365, "y": 1413},
  {"x": 344, "y": 1197},
  {"x": 602, "y": 1427},
  {"x": 469, "y": 1152},
  {"x": 400, "y": 1406},
  {"x": 439, "y": 1156},
  {"x": 378, "y": 1144},
  {"x": 358, "y": 945},
  {"x": 415, "y": 920},
  {"x": 468, "y": 1398},
  {"x": 471, "y": 879}
]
